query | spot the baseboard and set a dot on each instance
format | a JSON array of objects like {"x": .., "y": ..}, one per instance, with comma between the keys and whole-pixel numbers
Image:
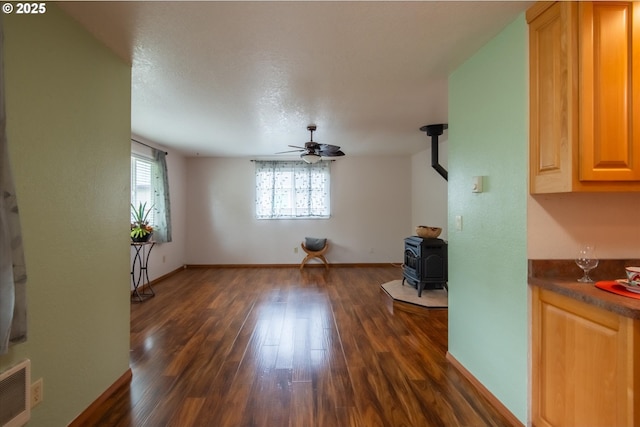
[
  {"x": 374, "y": 264},
  {"x": 159, "y": 279},
  {"x": 513, "y": 420},
  {"x": 84, "y": 419}
]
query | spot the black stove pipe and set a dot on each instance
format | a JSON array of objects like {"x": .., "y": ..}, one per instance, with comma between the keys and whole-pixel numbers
[{"x": 434, "y": 131}]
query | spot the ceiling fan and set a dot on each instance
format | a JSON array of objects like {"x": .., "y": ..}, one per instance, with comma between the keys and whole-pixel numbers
[{"x": 312, "y": 152}]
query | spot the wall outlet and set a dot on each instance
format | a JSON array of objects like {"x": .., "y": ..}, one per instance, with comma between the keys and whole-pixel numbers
[
  {"x": 36, "y": 392},
  {"x": 295, "y": 250},
  {"x": 164, "y": 259}
]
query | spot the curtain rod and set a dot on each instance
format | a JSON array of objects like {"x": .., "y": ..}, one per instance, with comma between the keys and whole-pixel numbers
[{"x": 146, "y": 145}]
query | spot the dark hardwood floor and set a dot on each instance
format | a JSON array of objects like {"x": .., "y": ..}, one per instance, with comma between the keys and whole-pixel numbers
[{"x": 277, "y": 347}]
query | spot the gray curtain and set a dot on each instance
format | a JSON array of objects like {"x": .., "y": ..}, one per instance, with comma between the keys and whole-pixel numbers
[
  {"x": 161, "y": 200},
  {"x": 13, "y": 273}
]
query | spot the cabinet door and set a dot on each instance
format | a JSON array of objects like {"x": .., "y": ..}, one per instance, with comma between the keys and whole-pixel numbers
[
  {"x": 582, "y": 364},
  {"x": 609, "y": 91},
  {"x": 553, "y": 95}
]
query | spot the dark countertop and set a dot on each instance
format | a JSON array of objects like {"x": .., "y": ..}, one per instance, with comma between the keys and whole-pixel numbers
[{"x": 561, "y": 276}]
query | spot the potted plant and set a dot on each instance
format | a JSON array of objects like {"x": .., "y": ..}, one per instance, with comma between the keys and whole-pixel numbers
[{"x": 141, "y": 231}]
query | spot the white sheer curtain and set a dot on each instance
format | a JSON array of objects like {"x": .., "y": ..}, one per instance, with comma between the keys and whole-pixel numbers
[
  {"x": 161, "y": 200},
  {"x": 292, "y": 189},
  {"x": 13, "y": 274}
]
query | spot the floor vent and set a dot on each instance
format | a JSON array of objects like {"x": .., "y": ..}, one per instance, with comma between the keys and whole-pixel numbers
[{"x": 15, "y": 395}]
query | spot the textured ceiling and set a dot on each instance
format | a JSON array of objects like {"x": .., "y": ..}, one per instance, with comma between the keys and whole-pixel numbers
[{"x": 243, "y": 78}]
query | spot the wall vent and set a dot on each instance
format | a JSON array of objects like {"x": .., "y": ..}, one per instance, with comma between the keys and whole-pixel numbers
[{"x": 15, "y": 392}]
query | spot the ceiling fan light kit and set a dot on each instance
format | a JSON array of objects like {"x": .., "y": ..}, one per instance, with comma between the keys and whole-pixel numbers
[
  {"x": 310, "y": 157},
  {"x": 313, "y": 152}
]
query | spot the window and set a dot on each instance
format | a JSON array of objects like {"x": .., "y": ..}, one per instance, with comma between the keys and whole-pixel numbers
[
  {"x": 150, "y": 185},
  {"x": 141, "y": 188},
  {"x": 292, "y": 189}
]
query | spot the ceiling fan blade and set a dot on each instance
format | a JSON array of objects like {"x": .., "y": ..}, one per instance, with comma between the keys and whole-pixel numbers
[
  {"x": 337, "y": 153},
  {"x": 291, "y": 151},
  {"x": 328, "y": 147},
  {"x": 297, "y": 146}
]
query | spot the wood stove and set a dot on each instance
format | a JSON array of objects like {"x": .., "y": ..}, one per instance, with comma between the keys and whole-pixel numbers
[{"x": 425, "y": 263}]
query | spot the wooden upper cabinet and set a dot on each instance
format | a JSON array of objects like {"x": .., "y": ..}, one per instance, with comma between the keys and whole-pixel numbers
[
  {"x": 609, "y": 89},
  {"x": 553, "y": 95},
  {"x": 584, "y": 60}
]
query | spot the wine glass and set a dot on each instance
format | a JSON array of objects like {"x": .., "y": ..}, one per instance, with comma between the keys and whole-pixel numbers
[{"x": 587, "y": 261}]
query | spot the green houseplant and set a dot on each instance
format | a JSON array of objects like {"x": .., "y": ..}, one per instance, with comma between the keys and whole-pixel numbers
[{"x": 141, "y": 231}]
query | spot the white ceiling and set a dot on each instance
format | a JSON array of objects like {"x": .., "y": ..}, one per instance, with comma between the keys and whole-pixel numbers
[{"x": 238, "y": 78}]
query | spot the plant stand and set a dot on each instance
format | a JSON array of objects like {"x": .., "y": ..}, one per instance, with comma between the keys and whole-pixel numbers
[{"x": 140, "y": 272}]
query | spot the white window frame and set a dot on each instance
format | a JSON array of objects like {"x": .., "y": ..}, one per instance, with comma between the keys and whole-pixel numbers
[{"x": 142, "y": 183}]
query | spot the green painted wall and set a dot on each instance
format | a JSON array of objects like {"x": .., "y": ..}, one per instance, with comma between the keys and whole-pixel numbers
[
  {"x": 488, "y": 314},
  {"x": 68, "y": 113}
]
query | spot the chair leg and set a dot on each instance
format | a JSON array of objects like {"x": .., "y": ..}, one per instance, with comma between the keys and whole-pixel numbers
[
  {"x": 304, "y": 261},
  {"x": 326, "y": 264},
  {"x": 309, "y": 257}
]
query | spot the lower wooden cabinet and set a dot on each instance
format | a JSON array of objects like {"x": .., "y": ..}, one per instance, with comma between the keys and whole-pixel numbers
[{"x": 585, "y": 364}]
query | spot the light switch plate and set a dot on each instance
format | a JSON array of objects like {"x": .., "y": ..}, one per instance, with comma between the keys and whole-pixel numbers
[{"x": 459, "y": 222}]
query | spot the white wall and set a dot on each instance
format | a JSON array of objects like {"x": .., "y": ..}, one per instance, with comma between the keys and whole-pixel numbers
[
  {"x": 371, "y": 214},
  {"x": 429, "y": 190},
  {"x": 557, "y": 223},
  {"x": 167, "y": 257}
]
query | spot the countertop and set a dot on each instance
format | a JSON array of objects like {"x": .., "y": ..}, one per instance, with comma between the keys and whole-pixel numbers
[{"x": 561, "y": 276}]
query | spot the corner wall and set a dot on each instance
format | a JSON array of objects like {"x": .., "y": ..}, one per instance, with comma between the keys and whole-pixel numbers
[
  {"x": 68, "y": 125},
  {"x": 488, "y": 136}
]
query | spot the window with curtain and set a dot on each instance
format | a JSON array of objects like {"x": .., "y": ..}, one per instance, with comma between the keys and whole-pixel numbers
[
  {"x": 141, "y": 190},
  {"x": 292, "y": 189},
  {"x": 150, "y": 185}
]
